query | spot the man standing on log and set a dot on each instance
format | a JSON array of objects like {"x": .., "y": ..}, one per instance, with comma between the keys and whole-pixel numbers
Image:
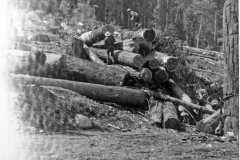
[
  {"x": 109, "y": 44},
  {"x": 135, "y": 19}
]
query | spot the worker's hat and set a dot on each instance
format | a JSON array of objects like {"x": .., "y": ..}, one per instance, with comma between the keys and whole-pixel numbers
[
  {"x": 128, "y": 9},
  {"x": 107, "y": 34}
]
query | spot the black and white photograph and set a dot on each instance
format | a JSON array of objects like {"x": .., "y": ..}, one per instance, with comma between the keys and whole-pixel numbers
[{"x": 119, "y": 80}]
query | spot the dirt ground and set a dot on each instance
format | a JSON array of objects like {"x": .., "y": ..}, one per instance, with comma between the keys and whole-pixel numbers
[{"x": 144, "y": 143}]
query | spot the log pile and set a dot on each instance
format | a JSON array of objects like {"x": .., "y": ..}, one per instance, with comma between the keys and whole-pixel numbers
[{"x": 140, "y": 71}]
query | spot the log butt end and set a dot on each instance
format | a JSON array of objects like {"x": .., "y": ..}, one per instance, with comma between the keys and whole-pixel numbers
[
  {"x": 146, "y": 75},
  {"x": 161, "y": 75},
  {"x": 149, "y": 35},
  {"x": 138, "y": 61},
  {"x": 154, "y": 63}
]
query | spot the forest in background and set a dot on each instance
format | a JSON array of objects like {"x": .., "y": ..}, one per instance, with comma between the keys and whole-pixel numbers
[{"x": 198, "y": 22}]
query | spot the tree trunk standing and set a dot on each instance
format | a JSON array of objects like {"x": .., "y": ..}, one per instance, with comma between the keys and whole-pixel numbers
[
  {"x": 77, "y": 48},
  {"x": 231, "y": 81},
  {"x": 167, "y": 15},
  {"x": 215, "y": 32},
  {"x": 200, "y": 29},
  {"x": 100, "y": 12}
]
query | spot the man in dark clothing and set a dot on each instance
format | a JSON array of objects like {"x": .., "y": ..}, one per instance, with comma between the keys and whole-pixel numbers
[
  {"x": 135, "y": 19},
  {"x": 109, "y": 44}
]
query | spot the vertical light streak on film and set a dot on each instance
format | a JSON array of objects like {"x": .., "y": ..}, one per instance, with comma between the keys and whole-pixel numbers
[{"x": 9, "y": 140}]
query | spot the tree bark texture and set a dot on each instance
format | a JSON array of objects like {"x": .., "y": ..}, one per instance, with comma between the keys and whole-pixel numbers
[
  {"x": 120, "y": 95},
  {"x": 92, "y": 56},
  {"x": 161, "y": 96},
  {"x": 169, "y": 62},
  {"x": 231, "y": 78},
  {"x": 77, "y": 48},
  {"x": 122, "y": 57},
  {"x": 97, "y": 35},
  {"x": 210, "y": 123},
  {"x": 142, "y": 75},
  {"x": 147, "y": 34},
  {"x": 156, "y": 113}
]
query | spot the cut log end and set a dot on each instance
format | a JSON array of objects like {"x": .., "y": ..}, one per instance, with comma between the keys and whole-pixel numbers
[
  {"x": 149, "y": 35},
  {"x": 153, "y": 63},
  {"x": 146, "y": 75},
  {"x": 138, "y": 61},
  {"x": 161, "y": 75},
  {"x": 172, "y": 64}
]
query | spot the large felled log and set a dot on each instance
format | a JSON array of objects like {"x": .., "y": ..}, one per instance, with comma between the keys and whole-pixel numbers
[
  {"x": 169, "y": 62},
  {"x": 122, "y": 57},
  {"x": 143, "y": 74},
  {"x": 210, "y": 123},
  {"x": 120, "y": 95},
  {"x": 178, "y": 91},
  {"x": 142, "y": 41},
  {"x": 161, "y": 96},
  {"x": 135, "y": 45},
  {"x": 170, "y": 117},
  {"x": 160, "y": 75},
  {"x": 91, "y": 54},
  {"x": 156, "y": 114},
  {"x": 97, "y": 35},
  {"x": 146, "y": 34},
  {"x": 181, "y": 95},
  {"x": 72, "y": 68}
]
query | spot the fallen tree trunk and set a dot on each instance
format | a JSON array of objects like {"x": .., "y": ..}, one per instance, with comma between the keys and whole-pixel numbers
[
  {"x": 91, "y": 55},
  {"x": 178, "y": 91},
  {"x": 122, "y": 57},
  {"x": 71, "y": 68},
  {"x": 120, "y": 95},
  {"x": 156, "y": 114},
  {"x": 203, "y": 56},
  {"x": 181, "y": 95},
  {"x": 147, "y": 34},
  {"x": 97, "y": 35},
  {"x": 205, "y": 53},
  {"x": 136, "y": 45},
  {"x": 210, "y": 123},
  {"x": 144, "y": 74},
  {"x": 170, "y": 117},
  {"x": 160, "y": 96},
  {"x": 160, "y": 75},
  {"x": 169, "y": 62}
]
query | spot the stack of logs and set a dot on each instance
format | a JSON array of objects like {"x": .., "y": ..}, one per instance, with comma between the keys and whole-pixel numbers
[{"x": 126, "y": 83}]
